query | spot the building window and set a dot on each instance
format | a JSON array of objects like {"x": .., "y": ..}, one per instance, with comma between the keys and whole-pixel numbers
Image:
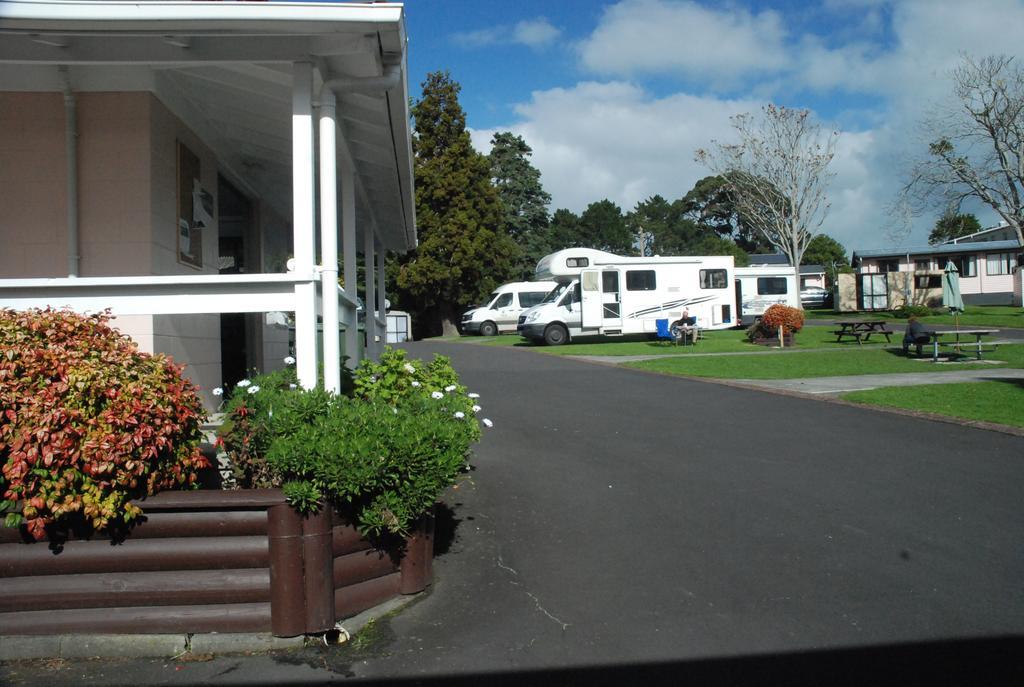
[
  {"x": 927, "y": 281},
  {"x": 771, "y": 286},
  {"x": 1000, "y": 263},
  {"x": 577, "y": 262},
  {"x": 641, "y": 280},
  {"x": 888, "y": 265},
  {"x": 966, "y": 265},
  {"x": 922, "y": 265},
  {"x": 713, "y": 279}
]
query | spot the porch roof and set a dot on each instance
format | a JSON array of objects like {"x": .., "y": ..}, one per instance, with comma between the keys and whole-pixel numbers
[
  {"x": 225, "y": 69},
  {"x": 940, "y": 249}
]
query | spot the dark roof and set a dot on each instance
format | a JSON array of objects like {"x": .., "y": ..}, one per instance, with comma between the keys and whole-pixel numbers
[{"x": 942, "y": 249}]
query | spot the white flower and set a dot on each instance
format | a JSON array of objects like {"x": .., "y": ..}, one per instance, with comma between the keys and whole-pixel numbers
[
  {"x": 476, "y": 409},
  {"x": 218, "y": 391},
  {"x": 253, "y": 389},
  {"x": 244, "y": 383},
  {"x": 459, "y": 414},
  {"x": 409, "y": 368},
  {"x": 487, "y": 423},
  {"x": 473, "y": 395},
  {"x": 436, "y": 394},
  {"x": 293, "y": 386},
  {"x": 394, "y": 410},
  {"x": 451, "y": 387},
  {"x": 289, "y": 360},
  {"x": 415, "y": 383}
]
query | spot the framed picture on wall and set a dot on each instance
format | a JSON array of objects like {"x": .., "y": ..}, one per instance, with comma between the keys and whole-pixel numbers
[{"x": 195, "y": 209}]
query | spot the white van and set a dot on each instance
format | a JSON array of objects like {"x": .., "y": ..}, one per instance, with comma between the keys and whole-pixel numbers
[
  {"x": 601, "y": 293},
  {"x": 760, "y": 286},
  {"x": 504, "y": 306}
]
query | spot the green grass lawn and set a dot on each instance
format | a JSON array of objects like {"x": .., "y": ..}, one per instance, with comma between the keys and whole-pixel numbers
[
  {"x": 719, "y": 341},
  {"x": 998, "y": 401},
  {"x": 820, "y": 363},
  {"x": 973, "y": 316}
]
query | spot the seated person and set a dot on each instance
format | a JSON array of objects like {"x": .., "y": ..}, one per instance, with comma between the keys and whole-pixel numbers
[
  {"x": 683, "y": 327},
  {"x": 915, "y": 334}
]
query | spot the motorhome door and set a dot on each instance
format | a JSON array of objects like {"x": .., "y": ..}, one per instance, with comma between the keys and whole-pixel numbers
[
  {"x": 611, "y": 300},
  {"x": 601, "y": 300},
  {"x": 590, "y": 308}
]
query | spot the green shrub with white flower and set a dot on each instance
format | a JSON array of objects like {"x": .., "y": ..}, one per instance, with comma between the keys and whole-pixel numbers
[{"x": 382, "y": 455}]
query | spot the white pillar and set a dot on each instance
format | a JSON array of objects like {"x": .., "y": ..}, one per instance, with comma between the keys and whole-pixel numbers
[
  {"x": 329, "y": 241},
  {"x": 382, "y": 311},
  {"x": 303, "y": 229},
  {"x": 348, "y": 249},
  {"x": 370, "y": 292}
]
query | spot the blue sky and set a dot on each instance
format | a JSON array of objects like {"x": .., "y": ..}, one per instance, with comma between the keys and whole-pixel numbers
[{"x": 614, "y": 97}]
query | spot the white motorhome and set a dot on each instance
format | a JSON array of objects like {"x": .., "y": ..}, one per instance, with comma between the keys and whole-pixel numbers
[
  {"x": 760, "y": 286},
  {"x": 504, "y": 305},
  {"x": 601, "y": 293}
]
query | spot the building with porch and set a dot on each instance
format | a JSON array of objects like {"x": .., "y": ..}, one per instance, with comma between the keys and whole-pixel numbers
[
  {"x": 199, "y": 167},
  {"x": 989, "y": 264}
]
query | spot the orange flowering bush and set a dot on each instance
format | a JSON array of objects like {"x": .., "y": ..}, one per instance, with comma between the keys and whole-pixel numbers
[
  {"x": 87, "y": 422},
  {"x": 778, "y": 315}
]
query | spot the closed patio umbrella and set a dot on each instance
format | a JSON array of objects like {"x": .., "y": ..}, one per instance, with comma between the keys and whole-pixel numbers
[{"x": 951, "y": 297}]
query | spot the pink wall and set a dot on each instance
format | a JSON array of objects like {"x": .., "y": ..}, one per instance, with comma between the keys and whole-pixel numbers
[{"x": 33, "y": 186}]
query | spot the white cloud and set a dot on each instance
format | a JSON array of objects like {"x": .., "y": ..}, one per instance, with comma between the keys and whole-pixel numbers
[
  {"x": 613, "y": 140},
  {"x": 667, "y": 36},
  {"x": 533, "y": 33},
  {"x": 617, "y": 140}
]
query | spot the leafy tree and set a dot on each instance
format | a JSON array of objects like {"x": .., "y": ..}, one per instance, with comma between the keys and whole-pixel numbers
[
  {"x": 826, "y": 251},
  {"x": 978, "y": 152},
  {"x": 463, "y": 250},
  {"x": 524, "y": 200},
  {"x": 602, "y": 226},
  {"x": 662, "y": 224},
  {"x": 711, "y": 244},
  {"x": 564, "y": 231},
  {"x": 709, "y": 205},
  {"x": 777, "y": 175},
  {"x": 953, "y": 225}
]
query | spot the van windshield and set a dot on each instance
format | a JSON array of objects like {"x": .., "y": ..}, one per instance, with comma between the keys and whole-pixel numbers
[
  {"x": 554, "y": 294},
  {"x": 490, "y": 299}
]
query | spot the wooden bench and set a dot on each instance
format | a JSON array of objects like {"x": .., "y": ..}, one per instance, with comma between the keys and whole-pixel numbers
[{"x": 862, "y": 335}]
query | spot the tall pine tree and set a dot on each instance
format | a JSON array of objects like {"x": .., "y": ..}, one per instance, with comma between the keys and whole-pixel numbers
[
  {"x": 463, "y": 250},
  {"x": 524, "y": 200}
]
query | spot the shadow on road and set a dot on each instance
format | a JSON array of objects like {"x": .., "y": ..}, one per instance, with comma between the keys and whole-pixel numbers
[{"x": 990, "y": 661}]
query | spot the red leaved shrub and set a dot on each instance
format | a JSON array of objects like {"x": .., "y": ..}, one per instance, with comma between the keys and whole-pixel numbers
[
  {"x": 87, "y": 422},
  {"x": 778, "y": 315}
]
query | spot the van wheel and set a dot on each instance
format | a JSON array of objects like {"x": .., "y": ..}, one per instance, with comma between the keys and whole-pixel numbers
[
  {"x": 488, "y": 329},
  {"x": 555, "y": 335}
]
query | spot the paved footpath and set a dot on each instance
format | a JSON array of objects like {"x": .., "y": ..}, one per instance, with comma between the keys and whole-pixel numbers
[{"x": 623, "y": 528}]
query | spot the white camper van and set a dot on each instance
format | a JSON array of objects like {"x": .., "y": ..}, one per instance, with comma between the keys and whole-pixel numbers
[
  {"x": 504, "y": 305},
  {"x": 604, "y": 294},
  {"x": 761, "y": 286}
]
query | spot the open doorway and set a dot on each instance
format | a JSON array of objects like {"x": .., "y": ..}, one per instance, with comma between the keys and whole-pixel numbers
[{"x": 239, "y": 253}]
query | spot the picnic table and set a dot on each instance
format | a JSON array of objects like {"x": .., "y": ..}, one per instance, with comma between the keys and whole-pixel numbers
[
  {"x": 861, "y": 330},
  {"x": 957, "y": 344}
]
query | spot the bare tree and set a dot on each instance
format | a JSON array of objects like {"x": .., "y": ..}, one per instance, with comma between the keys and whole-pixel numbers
[
  {"x": 777, "y": 175},
  {"x": 977, "y": 145}
]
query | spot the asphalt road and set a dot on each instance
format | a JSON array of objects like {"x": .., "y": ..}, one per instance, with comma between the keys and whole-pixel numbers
[{"x": 620, "y": 527}]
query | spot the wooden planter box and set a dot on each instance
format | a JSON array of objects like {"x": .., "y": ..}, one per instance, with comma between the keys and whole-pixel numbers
[
  {"x": 207, "y": 561},
  {"x": 774, "y": 340}
]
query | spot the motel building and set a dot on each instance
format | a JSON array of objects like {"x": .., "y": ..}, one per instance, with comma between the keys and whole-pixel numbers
[{"x": 208, "y": 171}]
